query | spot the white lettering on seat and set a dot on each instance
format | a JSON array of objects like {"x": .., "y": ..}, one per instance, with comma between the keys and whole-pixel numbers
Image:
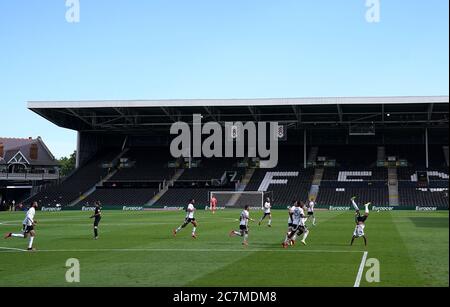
[
  {"x": 269, "y": 179},
  {"x": 344, "y": 176}
]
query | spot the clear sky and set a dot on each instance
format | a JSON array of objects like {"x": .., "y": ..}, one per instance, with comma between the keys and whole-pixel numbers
[{"x": 156, "y": 49}]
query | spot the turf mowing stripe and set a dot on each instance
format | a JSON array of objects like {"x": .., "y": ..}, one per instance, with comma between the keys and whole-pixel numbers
[
  {"x": 361, "y": 270},
  {"x": 181, "y": 250}
]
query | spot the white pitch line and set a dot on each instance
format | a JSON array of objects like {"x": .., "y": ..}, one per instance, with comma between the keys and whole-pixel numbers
[
  {"x": 186, "y": 250},
  {"x": 361, "y": 270},
  {"x": 13, "y": 249}
]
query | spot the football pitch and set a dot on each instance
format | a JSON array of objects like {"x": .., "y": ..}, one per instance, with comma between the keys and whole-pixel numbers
[{"x": 138, "y": 249}]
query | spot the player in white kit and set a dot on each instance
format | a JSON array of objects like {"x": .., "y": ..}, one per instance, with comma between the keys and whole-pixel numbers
[
  {"x": 360, "y": 222},
  {"x": 267, "y": 212},
  {"x": 28, "y": 227},
  {"x": 291, "y": 219},
  {"x": 311, "y": 208},
  {"x": 298, "y": 226},
  {"x": 291, "y": 213},
  {"x": 243, "y": 226},
  {"x": 190, "y": 219}
]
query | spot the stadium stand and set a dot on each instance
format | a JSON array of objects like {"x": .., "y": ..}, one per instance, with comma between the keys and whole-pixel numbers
[
  {"x": 349, "y": 143},
  {"x": 352, "y": 175},
  {"x": 286, "y": 185},
  {"x": 146, "y": 164},
  {"x": 333, "y": 196},
  {"x": 424, "y": 197},
  {"x": 415, "y": 155},
  {"x": 120, "y": 197},
  {"x": 74, "y": 186},
  {"x": 350, "y": 156},
  {"x": 213, "y": 168},
  {"x": 181, "y": 197}
]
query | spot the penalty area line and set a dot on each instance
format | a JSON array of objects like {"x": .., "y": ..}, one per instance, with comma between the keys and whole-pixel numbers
[{"x": 361, "y": 270}]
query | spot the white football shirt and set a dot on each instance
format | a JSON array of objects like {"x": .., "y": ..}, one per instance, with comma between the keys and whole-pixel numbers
[
  {"x": 298, "y": 216},
  {"x": 311, "y": 206},
  {"x": 190, "y": 211},
  {"x": 245, "y": 216},
  {"x": 267, "y": 207},
  {"x": 29, "y": 218},
  {"x": 291, "y": 211}
]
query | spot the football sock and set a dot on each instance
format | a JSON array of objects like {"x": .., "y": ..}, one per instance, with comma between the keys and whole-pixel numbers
[
  {"x": 355, "y": 205},
  {"x": 30, "y": 244},
  {"x": 270, "y": 222},
  {"x": 194, "y": 230},
  {"x": 14, "y": 235},
  {"x": 367, "y": 208},
  {"x": 305, "y": 235},
  {"x": 245, "y": 237},
  {"x": 238, "y": 233},
  {"x": 96, "y": 232}
]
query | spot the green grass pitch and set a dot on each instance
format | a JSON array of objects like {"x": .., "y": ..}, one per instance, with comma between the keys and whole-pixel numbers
[{"x": 138, "y": 249}]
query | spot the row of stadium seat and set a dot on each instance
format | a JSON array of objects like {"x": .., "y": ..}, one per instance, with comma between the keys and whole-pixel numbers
[
  {"x": 343, "y": 174},
  {"x": 120, "y": 197},
  {"x": 78, "y": 183},
  {"x": 286, "y": 181},
  {"x": 423, "y": 198},
  {"x": 341, "y": 196},
  {"x": 149, "y": 164}
]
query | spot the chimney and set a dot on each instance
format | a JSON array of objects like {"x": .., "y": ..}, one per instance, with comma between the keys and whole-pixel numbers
[
  {"x": 34, "y": 152},
  {"x": 2, "y": 150}
]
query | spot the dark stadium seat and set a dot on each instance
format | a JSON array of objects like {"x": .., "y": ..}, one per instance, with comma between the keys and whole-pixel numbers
[
  {"x": 120, "y": 197},
  {"x": 353, "y": 174},
  {"x": 292, "y": 184},
  {"x": 85, "y": 178},
  {"x": 149, "y": 164},
  {"x": 332, "y": 196},
  {"x": 181, "y": 197},
  {"x": 212, "y": 169},
  {"x": 423, "y": 197}
]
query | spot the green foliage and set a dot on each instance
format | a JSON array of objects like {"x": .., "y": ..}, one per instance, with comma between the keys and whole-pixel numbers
[{"x": 67, "y": 164}]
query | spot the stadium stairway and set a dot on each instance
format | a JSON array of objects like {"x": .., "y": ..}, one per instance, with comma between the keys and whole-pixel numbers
[
  {"x": 393, "y": 187},
  {"x": 315, "y": 186},
  {"x": 242, "y": 186},
  {"x": 164, "y": 190},
  {"x": 100, "y": 183},
  {"x": 246, "y": 179}
]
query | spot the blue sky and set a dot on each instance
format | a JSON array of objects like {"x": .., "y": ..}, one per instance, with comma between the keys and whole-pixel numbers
[{"x": 157, "y": 49}]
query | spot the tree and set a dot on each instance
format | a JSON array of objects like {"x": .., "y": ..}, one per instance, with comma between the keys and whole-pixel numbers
[{"x": 67, "y": 164}]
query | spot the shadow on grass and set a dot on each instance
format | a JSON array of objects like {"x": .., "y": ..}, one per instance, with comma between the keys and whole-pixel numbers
[{"x": 430, "y": 222}]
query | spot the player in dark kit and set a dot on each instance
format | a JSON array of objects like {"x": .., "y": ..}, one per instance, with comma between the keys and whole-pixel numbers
[
  {"x": 360, "y": 221},
  {"x": 97, "y": 218}
]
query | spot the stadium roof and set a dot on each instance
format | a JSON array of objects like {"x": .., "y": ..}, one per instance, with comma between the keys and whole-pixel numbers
[{"x": 130, "y": 115}]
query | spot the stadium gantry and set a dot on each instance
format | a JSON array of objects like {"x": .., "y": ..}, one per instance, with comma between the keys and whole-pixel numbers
[{"x": 392, "y": 151}]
